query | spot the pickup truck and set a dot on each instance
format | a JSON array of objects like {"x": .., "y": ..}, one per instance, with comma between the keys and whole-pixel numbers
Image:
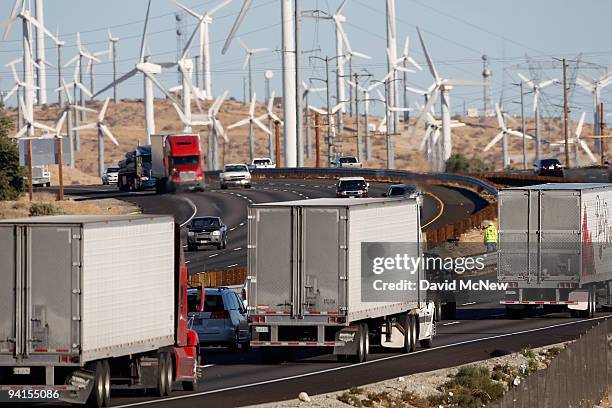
[
  {"x": 262, "y": 163},
  {"x": 207, "y": 231},
  {"x": 346, "y": 161},
  {"x": 235, "y": 175}
]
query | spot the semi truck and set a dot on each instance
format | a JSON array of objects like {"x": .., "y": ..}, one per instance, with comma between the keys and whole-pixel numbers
[
  {"x": 41, "y": 176},
  {"x": 305, "y": 284},
  {"x": 555, "y": 247},
  {"x": 135, "y": 170},
  {"x": 88, "y": 302},
  {"x": 177, "y": 162}
]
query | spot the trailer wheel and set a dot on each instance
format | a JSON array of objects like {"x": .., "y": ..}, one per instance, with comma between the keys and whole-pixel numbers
[
  {"x": 438, "y": 310},
  {"x": 408, "y": 324},
  {"x": 428, "y": 343},
  {"x": 107, "y": 383},
  {"x": 363, "y": 348},
  {"x": 161, "y": 387},
  {"x": 96, "y": 397},
  {"x": 169, "y": 373}
]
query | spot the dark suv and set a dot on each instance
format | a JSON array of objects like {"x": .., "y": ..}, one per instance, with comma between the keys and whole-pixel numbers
[
  {"x": 206, "y": 231},
  {"x": 548, "y": 167}
]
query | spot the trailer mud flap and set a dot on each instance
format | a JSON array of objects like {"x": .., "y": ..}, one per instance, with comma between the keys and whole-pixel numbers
[{"x": 350, "y": 337}]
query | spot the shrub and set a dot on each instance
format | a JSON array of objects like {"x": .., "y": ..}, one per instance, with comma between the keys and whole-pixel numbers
[
  {"x": 458, "y": 163},
  {"x": 12, "y": 183},
  {"x": 39, "y": 209},
  {"x": 471, "y": 387}
]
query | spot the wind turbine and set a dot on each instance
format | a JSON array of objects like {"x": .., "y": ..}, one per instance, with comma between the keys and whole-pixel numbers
[
  {"x": 306, "y": 95},
  {"x": 30, "y": 124},
  {"x": 288, "y": 70},
  {"x": 444, "y": 86},
  {"x": 349, "y": 57},
  {"x": 90, "y": 68},
  {"x": 103, "y": 131},
  {"x": 432, "y": 135},
  {"x": 392, "y": 56},
  {"x": 577, "y": 141},
  {"x": 204, "y": 21},
  {"x": 19, "y": 11},
  {"x": 389, "y": 110},
  {"x": 113, "y": 55},
  {"x": 503, "y": 136},
  {"x": 18, "y": 89},
  {"x": 272, "y": 118},
  {"x": 82, "y": 52},
  {"x": 215, "y": 130},
  {"x": 406, "y": 59},
  {"x": 148, "y": 70},
  {"x": 537, "y": 88},
  {"x": 251, "y": 120},
  {"x": 595, "y": 86},
  {"x": 331, "y": 135}
]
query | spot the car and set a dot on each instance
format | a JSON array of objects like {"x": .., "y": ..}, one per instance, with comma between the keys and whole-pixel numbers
[
  {"x": 262, "y": 163},
  {"x": 346, "y": 161},
  {"x": 235, "y": 175},
  {"x": 548, "y": 167},
  {"x": 110, "y": 175},
  {"x": 223, "y": 321},
  {"x": 352, "y": 187},
  {"x": 404, "y": 190},
  {"x": 206, "y": 231}
]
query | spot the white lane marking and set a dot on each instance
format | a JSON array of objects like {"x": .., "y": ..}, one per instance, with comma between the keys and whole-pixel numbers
[
  {"x": 195, "y": 210},
  {"x": 329, "y": 370},
  {"x": 207, "y": 365},
  {"x": 302, "y": 185},
  {"x": 186, "y": 262},
  {"x": 213, "y": 255},
  {"x": 241, "y": 224},
  {"x": 237, "y": 249},
  {"x": 316, "y": 186},
  {"x": 231, "y": 266},
  {"x": 231, "y": 229},
  {"x": 450, "y": 323},
  {"x": 468, "y": 303},
  {"x": 185, "y": 246}
]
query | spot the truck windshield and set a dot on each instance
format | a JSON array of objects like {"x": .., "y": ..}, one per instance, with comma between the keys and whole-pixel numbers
[
  {"x": 235, "y": 168},
  {"x": 259, "y": 162},
  {"x": 348, "y": 160},
  {"x": 352, "y": 185},
  {"x": 206, "y": 222},
  {"x": 185, "y": 161}
]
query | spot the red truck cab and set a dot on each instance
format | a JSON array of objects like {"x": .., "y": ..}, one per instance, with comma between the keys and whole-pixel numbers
[{"x": 177, "y": 162}]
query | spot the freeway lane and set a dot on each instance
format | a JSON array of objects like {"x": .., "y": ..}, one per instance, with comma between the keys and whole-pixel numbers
[
  {"x": 442, "y": 206},
  {"x": 239, "y": 379}
]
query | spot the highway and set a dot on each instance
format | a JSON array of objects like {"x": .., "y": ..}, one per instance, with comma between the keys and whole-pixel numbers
[{"x": 241, "y": 379}]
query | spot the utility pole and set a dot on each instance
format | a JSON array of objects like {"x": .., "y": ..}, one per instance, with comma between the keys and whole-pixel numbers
[
  {"x": 355, "y": 85},
  {"x": 368, "y": 146},
  {"x": 317, "y": 150},
  {"x": 268, "y": 75},
  {"x": 602, "y": 127},
  {"x": 30, "y": 188},
  {"x": 299, "y": 100},
  {"x": 197, "y": 72},
  {"x": 60, "y": 169},
  {"x": 60, "y": 44},
  {"x": 565, "y": 115},
  {"x": 390, "y": 158},
  {"x": 523, "y": 130}
]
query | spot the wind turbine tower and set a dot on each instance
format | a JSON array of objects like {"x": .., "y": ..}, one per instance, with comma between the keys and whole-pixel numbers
[{"x": 486, "y": 85}]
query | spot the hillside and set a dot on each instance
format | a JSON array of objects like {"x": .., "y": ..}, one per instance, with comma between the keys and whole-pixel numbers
[{"x": 126, "y": 120}]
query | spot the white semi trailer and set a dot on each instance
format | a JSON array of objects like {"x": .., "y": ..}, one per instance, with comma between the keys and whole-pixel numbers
[
  {"x": 555, "y": 247},
  {"x": 306, "y": 284}
]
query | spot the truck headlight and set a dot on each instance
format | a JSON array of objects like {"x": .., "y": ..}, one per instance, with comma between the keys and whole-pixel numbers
[
  {"x": 216, "y": 233},
  {"x": 190, "y": 233}
]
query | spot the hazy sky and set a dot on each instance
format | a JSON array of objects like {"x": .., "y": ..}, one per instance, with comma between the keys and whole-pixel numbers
[{"x": 457, "y": 34}]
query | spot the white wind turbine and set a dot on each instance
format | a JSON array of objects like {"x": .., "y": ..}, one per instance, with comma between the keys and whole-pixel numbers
[
  {"x": 444, "y": 86},
  {"x": 113, "y": 56},
  {"x": 91, "y": 67},
  {"x": 203, "y": 25},
  {"x": 577, "y": 141},
  {"x": 215, "y": 131},
  {"x": 148, "y": 70},
  {"x": 251, "y": 120},
  {"x": 503, "y": 136},
  {"x": 17, "y": 89},
  {"x": 306, "y": 95},
  {"x": 288, "y": 70},
  {"x": 103, "y": 131},
  {"x": 537, "y": 88},
  {"x": 30, "y": 124},
  {"x": 19, "y": 11},
  {"x": 388, "y": 121},
  {"x": 595, "y": 86},
  {"x": 272, "y": 118},
  {"x": 82, "y": 52},
  {"x": 406, "y": 59}
]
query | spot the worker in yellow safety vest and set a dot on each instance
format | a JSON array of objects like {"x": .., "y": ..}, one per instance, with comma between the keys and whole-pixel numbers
[{"x": 490, "y": 236}]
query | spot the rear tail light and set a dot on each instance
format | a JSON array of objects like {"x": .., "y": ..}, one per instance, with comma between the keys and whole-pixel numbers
[
  {"x": 219, "y": 314},
  {"x": 257, "y": 319}
]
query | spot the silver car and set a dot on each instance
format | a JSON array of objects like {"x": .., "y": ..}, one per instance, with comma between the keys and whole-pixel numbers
[
  {"x": 110, "y": 175},
  {"x": 223, "y": 321}
]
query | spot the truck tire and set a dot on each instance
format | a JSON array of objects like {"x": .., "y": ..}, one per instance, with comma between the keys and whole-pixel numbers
[
  {"x": 223, "y": 187},
  {"x": 107, "y": 383},
  {"x": 589, "y": 313},
  {"x": 161, "y": 386},
  {"x": 96, "y": 397},
  {"x": 169, "y": 374},
  {"x": 438, "y": 310},
  {"x": 363, "y": 348},
  {"x": 247, "y": 186},
  {"x": 409, "y": 333}
]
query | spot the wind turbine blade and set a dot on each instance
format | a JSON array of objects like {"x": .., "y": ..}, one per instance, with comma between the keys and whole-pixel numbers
[
  {"x": 261, "y": 125},
  {"x": 496, "y": 139},
  {"x": 500, "y": 119},
  {"x": 160, "y": 86},
  {"x": 271, "y": 102},
  {"x": 544, "y": 84},
  {"x": 527, "y": 81},
  {"x": 402, "y": 69},
  {"x": 108, "y": 134},
  {"x": 11, "y": 92},
  {"x": 360, "y": 55},
  {"x": 396, "y": 109},
  {"x": 586, "y": 149},
  {"x": 406, "y": 45},
  {"x": 181, "y": 115},
  {"x": 343, "y": 35},
  {"x": 416, "y": 90},
  {"x": 425, "y": 137},
  {"x": 188, "y": 11},
  {"x": 252, "y": 107},
  {"x": 583, "y": 83},
  {"x": 256, "y": 50},
  {"x": 318, "y": 110},
  {"x": 83, "y": 109},
  {"x": 86, "y": 126},
  {"x": 38, "y": 25},
  {"x": 218, "y": 7},
  {"x": 536, "y": 94},
  {"x": 245, "y": 64},
  {"x": 103, "y": 111},
  {"x": 341, "y": 7},
  {"x": 436, "y": 135},
  {"x": 84, "y": 89},
  {"x": 518, "y": 134},
  {"x": 337, "y": 107},
  {"x": 71, "y": 61},
  {"x": 430, "y": 103},
  {"x": 236, "y": 26},
  {"x": 414, "y": 63},
  {"x": 430, "y": 64},
  {"x": 239, "y": 123},
  {"x": 219, "y": 102},
  {"x": 579, "y": 127},
  {"x": 220, "y": 131},
  {"x": 189, "y": 41},
  {"x": 60, "y": 123},
  {"x": 276, "y": 118},
  {"x": 43, "y": 126},
  {"x": 16, "y": 6},
  {"x": 21, "y": 132},
  {"x": 143, "y": 42}
]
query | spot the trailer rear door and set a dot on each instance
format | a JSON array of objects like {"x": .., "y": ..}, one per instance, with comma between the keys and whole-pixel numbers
[
  {"x": 270, "y": 232},
  {"x": 8, "y": 252},
  {"x": 322, "y": 259}
]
